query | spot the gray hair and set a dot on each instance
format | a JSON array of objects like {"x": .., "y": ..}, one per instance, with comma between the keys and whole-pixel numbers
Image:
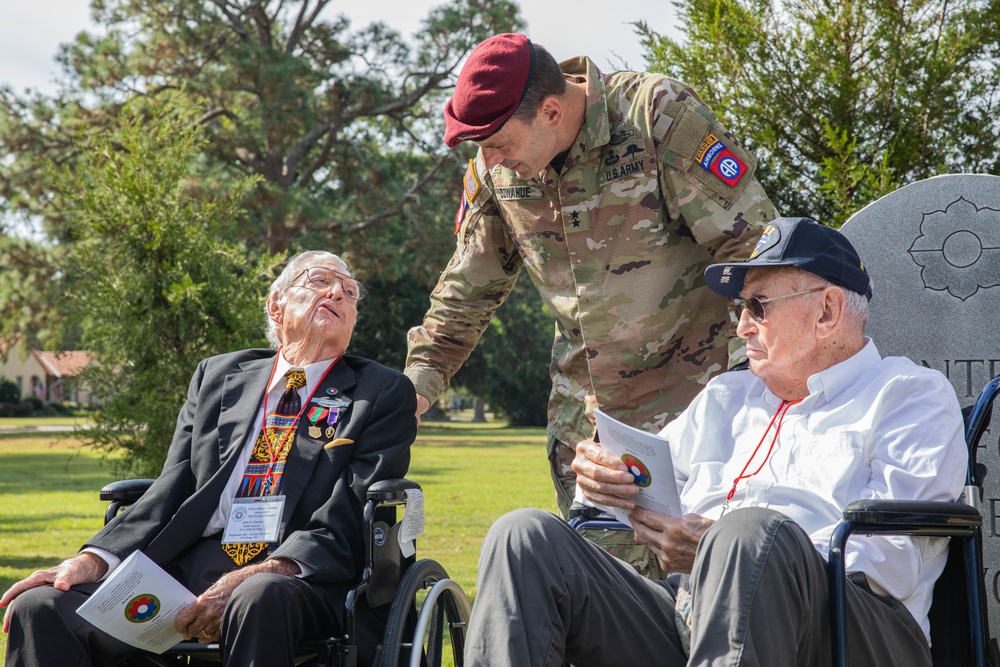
[
  {"x": 855, "y": 303},
  {"x": 296, "y": 265}
]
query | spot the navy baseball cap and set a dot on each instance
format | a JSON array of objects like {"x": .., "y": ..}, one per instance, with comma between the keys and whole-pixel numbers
[{"x": 799, "y": 242}]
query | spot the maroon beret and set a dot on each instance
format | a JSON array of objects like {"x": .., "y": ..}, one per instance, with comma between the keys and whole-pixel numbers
[{"x": 489, "y": 89}]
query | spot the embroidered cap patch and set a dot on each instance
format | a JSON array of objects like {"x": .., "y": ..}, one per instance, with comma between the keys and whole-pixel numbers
[{"x": 768, "y": 238}]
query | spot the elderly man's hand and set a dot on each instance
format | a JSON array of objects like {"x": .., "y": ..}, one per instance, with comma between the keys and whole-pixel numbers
[
  {"x": 84, "y": 568},
  {"x": 202, "y": 619},
  {"x": 603, "y": 478},
  {"x": 674, "y": 541}
]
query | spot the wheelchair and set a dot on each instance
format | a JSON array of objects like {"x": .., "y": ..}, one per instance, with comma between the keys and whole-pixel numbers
[
  {"x": 958, "y": 615},
  {"x": 423, "y": 607}
]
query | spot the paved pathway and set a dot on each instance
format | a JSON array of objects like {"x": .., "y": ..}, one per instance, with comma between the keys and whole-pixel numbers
[{"x": 41, "y": 428}]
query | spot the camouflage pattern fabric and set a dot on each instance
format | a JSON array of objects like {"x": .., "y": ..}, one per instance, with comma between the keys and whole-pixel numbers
[{"x": 616, "y": 243}]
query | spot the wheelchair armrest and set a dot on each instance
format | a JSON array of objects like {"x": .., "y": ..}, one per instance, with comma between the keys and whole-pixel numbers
[
  {"x": 125, "y": 491},
  {"x": 913, "y": 517},
  {"x": 320, "y": 648},
  {"x": 584, "y": 517},
  {"x": 391, "y": 491},
  {"x": 187, "y": 648},
  {"x": 121, "y": 494},
  {"x": 587, "y": 512},
  {"x": 895, "y": 517}
]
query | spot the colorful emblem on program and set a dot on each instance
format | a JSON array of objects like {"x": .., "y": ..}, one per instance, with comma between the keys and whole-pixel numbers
[
  {"x": 638, "y": 469},
  {"x": 142, "y": 608}
]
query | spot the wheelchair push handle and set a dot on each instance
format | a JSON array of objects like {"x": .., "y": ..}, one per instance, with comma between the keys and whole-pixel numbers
[
  {"x": 391, "y": 491},
  {"x": 125, "y": 491}
]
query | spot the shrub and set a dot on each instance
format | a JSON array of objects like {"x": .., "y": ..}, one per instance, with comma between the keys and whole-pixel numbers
[{"x": 9, "y": 393}]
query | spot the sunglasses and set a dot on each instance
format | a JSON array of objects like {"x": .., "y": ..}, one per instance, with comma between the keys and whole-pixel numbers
[{"x": 755, "y": 306}]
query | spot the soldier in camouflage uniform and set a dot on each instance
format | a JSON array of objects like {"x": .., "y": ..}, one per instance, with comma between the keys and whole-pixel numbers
[{"x": 614, "y": 192}]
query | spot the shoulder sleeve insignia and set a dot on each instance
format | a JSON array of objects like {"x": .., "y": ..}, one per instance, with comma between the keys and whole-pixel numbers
[{"x": 714, "y": 157}]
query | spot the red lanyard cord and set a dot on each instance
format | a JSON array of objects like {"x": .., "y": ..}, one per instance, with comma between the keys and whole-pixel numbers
[
  {"x": 274, "y": 453},
  {"x": 779, "y": 416}
]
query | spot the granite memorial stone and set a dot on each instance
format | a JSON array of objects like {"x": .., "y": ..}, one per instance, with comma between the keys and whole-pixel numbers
[{"x": 933, "y": 251}]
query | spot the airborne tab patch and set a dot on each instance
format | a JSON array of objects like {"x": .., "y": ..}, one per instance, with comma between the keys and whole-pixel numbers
[{"x": 719, "y": 160}]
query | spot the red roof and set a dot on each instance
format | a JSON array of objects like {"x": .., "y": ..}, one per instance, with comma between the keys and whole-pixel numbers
[{"x": 63, "y": 364}]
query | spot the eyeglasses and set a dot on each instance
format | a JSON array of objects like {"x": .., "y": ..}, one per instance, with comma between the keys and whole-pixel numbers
[
  {"x": 755, "y": 306},
  {"x": 322, "y": 279}
]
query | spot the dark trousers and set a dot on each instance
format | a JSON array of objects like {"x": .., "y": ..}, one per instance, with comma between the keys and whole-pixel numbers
[
  {"x": 266, "y": 617},
  {"x": 759, "y": 598}
]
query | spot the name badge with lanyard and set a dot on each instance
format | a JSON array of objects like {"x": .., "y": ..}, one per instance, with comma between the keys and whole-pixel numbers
[{"x": 255, "y": 519}]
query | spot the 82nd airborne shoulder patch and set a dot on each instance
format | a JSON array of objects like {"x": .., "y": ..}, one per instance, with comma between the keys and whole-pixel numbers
[{"x": 719, "y": 160}]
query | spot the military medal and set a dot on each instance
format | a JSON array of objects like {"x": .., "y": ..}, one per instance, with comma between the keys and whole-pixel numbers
[
  {"x": 314, "y": 415},
  {"x": 331, "y": 420},
  {"x": 331, "y": 408}
]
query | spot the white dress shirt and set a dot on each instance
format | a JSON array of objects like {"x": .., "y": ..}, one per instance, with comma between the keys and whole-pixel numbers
[{"x": 869, "y": 428}]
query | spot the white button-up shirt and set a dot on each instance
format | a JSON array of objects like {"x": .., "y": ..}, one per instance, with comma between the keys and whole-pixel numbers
[{"x": 869, "y": 428}]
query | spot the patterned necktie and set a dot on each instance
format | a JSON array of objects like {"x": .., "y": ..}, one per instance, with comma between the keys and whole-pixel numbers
[{"x": 267, "y": 462}]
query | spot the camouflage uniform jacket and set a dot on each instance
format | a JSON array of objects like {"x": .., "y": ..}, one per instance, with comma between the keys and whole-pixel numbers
[{"x": 616, "y": 244}]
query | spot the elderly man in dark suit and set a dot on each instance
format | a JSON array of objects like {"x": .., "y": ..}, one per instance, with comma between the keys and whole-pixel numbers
[{"x": 303, "y": 430}]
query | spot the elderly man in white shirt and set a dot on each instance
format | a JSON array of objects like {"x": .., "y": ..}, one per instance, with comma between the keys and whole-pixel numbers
[{"x": 765, "y": 461}]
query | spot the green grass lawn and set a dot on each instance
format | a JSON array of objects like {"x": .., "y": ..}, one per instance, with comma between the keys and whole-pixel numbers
[{"x": 470, "y": 473}]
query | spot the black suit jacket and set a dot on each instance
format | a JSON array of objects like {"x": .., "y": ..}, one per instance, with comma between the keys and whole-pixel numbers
[{"x": 324, "y": 487}]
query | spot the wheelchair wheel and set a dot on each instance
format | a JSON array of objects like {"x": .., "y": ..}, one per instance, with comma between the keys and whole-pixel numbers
[{"x": 415, "y": 634}]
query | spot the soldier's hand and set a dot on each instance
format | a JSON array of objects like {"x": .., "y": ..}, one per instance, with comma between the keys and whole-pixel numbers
[
  {"x": 603, "y": 478},
  {"x": 423, "y": 405},
  {"x": 84, "y": 568},
  {"x": 674, "y": 541}
]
